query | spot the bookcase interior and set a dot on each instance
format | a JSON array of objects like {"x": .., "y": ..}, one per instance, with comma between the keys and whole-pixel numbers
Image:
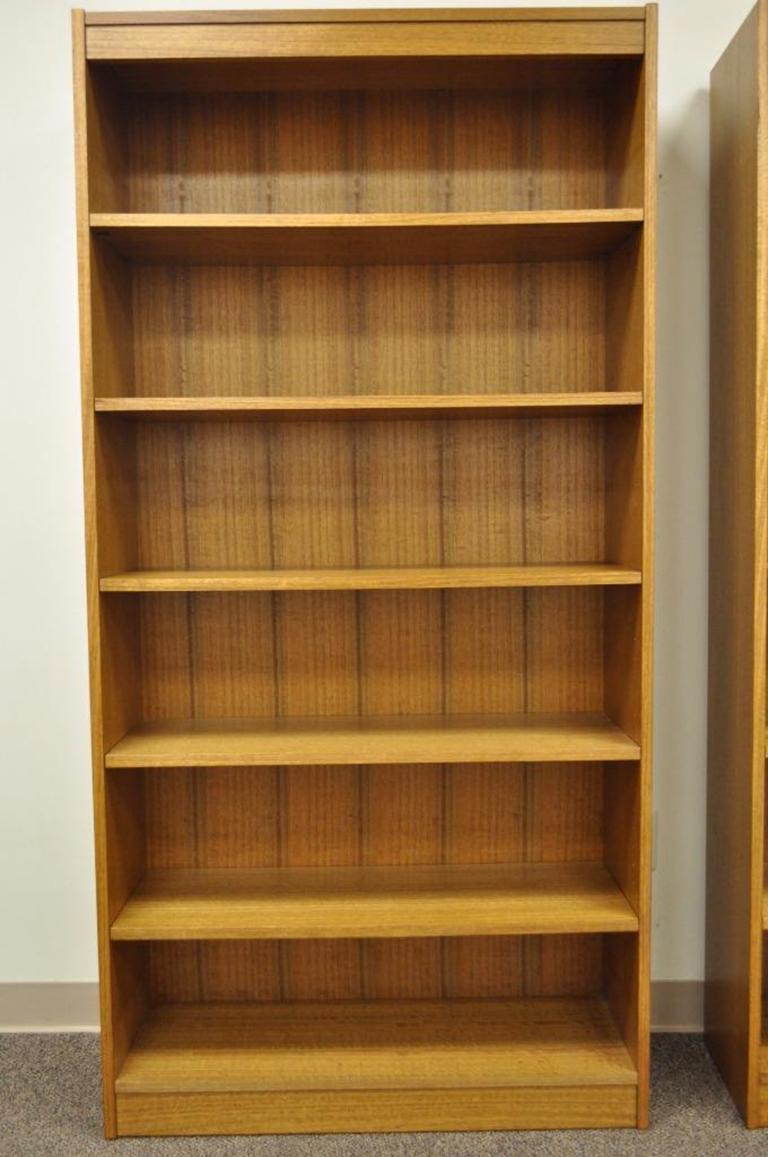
[
  {"x": 369, "y": 493},
  {"x": 239, "y": 330},
  {"x": 393, "y": 653},
  {"x": 402, "y": 136}
]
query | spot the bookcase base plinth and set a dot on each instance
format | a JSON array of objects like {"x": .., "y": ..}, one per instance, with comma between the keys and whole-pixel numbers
[{"x": 389, "y": 1111}]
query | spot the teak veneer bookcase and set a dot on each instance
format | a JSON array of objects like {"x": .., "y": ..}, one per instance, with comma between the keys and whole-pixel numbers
[
  {"x": 737, "y": 903},
  {"x": 367, "y": 345}
]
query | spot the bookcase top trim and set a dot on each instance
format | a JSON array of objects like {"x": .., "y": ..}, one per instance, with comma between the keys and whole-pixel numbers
[
  {"x": 368, "y": 16},
  {"x": 361, "y": 35}
]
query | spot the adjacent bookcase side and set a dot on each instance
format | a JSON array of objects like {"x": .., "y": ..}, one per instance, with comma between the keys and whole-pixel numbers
[{"x": 738, "y": 565}]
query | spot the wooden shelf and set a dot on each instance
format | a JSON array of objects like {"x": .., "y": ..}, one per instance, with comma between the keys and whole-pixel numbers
[
  {"x": 373, "y": 578},
  {"x": 308, "y": 903},
  {"x": 366, "y": 238},
  {"x": 376, "y": 1045},
  {"x": 389, "y": 739},
  {"x": 381, "y": 406},
  {"x": 389, "y": 1065}
]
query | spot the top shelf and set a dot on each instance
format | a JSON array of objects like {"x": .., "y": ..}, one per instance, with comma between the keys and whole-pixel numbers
[
  {"x": 369, "y": 16},
  {"x": 366, "y": 238}
]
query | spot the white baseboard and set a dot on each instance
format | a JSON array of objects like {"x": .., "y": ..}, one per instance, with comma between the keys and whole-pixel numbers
[
  {"x": 677, "y": 1006},
  {"x": 49, "y": 1007}
]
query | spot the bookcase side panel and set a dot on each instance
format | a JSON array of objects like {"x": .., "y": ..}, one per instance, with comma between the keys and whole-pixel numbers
[{"x": 737, "y": 579}]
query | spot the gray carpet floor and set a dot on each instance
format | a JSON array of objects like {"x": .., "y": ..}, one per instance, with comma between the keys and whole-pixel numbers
[{"x": 49, "y": 1107}]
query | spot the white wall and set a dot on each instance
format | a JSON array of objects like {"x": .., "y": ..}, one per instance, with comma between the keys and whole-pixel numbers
[{"x": 46, "y": 878}]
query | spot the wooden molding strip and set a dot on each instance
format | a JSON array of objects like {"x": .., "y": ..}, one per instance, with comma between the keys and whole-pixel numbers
[
  {"x": 380, "y": 1110},
  {"x": 368, "y": 16},
  {"x": 406, "y": 578},
  {"x": 537, "y": 36},
  {"x": 367, "y": 238},
  {"x": 347, "y": 406}
]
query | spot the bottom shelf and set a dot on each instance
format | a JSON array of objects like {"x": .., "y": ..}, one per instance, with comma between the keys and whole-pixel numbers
[{"x": 377, "y": 1065}]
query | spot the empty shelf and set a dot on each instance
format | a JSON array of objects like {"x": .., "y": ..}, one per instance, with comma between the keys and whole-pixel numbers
[
  {"x": 373, "y": 578},
  {"x": 370, "y": 740},
  {"x": 367, "y": 238},
  {"x": 376, "y": 1045},
  {"x": 373, "y": 406},
  {"x": 305, "y": 903}
]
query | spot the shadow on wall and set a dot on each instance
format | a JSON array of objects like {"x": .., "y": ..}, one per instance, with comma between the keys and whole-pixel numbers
[{"x": 681, "y": 537}]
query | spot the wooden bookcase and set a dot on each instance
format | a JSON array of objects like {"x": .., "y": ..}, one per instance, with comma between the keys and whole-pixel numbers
[
  {"x": 737, "y": 912},
  {"x": 367, "y": 348}
]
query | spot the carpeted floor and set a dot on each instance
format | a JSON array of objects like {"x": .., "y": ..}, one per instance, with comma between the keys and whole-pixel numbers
[{"x": 49, "y": 1107}]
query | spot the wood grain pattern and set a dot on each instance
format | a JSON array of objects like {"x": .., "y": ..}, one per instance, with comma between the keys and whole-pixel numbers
[
  {"x": 365, "y": 239},
  {"x": 328, "y": 903},
  {"x": 372, "y": 578},
  {"x": 628, "y": 627},
  {"x": 239, "y": 330},
  {"x": 122, "y": 997},
  {"x": 412, "y": 968},
  {"x": 385, "y": 815},
  {"x": 362, "y": 406},
  {"x": 539, "y": 329},
  {"x": 632, "y": 1007},
  {"x": 762, "y": 1108},
  {"x": 403, "y": 1111},
  {"x": 383, "y": 739},
  {"x": 372, "y": 1045},
  {"x": 737, "y": 634},
  {"x": 464, "y": 38},
  {"x": 401, "y": 149},
  {"x": 346, "y": 15},
  {"x": 372, "y": 494}
]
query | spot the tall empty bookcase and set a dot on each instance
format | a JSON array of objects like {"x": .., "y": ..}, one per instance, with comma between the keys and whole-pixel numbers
[
  {"x": 737, "y": 902},
  {"x": 367, "y": 347}
]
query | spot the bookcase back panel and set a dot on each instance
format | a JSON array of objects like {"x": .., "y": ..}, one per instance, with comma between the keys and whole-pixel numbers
[
  {"x": 453, "y": 967},
  {"x": 383, "y": 815},
  {"x": 356, "y": 494},
  {"x": 366, "y": 152},
  {"x": 236, "y": 655},
  {"x": 390, "y": 329}
]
